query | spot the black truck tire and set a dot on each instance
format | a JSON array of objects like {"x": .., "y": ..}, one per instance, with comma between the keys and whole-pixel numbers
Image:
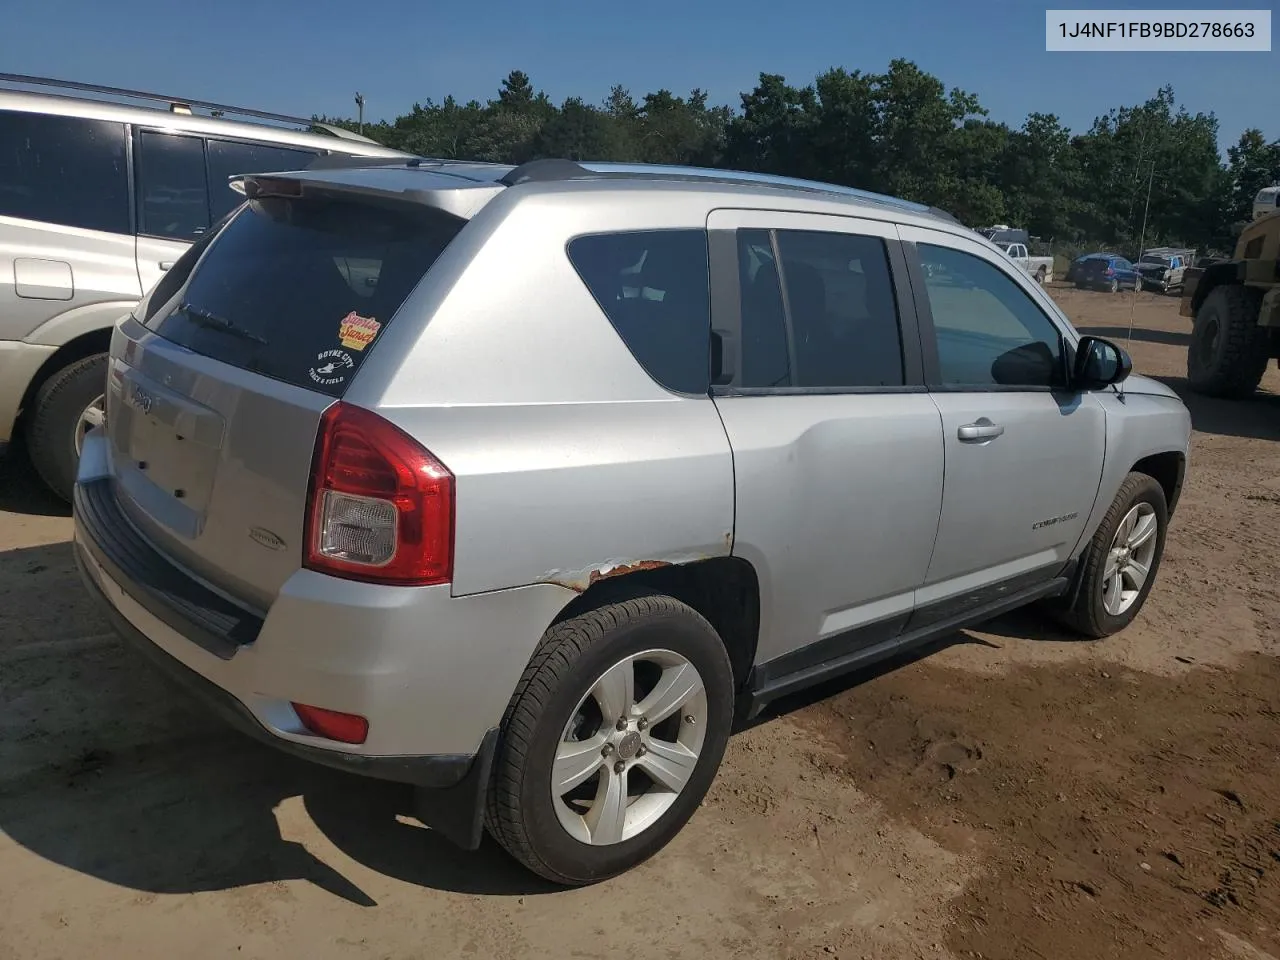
[{"x": 1228, "y": 352}]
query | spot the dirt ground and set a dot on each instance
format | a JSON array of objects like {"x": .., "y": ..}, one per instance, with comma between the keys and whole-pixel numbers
[{"x": 1011, "y": 793}]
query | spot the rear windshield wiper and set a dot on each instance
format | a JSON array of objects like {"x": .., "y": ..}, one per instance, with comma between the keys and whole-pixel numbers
[{"x": 206, "y": 319}]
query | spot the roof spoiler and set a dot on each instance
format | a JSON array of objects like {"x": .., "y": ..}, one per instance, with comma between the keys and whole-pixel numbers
[{"x": 455, "y": 196}]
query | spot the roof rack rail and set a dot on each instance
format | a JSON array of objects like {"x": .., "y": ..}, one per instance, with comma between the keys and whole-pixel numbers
[
  {"x": 179, "y": 104},
  {"x": 551, "y": 170}
]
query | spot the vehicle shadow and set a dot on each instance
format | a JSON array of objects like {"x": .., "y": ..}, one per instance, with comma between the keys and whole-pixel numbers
[
  {"x": 1257, "y": 417},
  {"x": 1027, "y": 623},
  {"x": 837, "y": 685},
  {"x": 1172, "y": 338},
  {"x": 22, "y": 490},
  {"x": 107, "y": 769}
]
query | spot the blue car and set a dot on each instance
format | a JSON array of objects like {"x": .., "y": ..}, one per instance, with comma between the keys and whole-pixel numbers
[
  {"x": 1106, "y": 271},
  {"x": 1073, "y": 268}
]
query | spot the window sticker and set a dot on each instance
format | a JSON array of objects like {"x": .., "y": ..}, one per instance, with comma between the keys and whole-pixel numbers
[
  {"x": 357, "y": 332},
  {"x": 332, "y": 366}
]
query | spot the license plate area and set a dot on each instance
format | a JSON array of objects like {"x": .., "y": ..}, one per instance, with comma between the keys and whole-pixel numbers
[{"x": 167, "y": 442}]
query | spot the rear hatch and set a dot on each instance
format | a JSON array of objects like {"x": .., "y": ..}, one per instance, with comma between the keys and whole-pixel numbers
[
  {"x": 217, "y": 386},
  {"x": 1095, "y": 271}
]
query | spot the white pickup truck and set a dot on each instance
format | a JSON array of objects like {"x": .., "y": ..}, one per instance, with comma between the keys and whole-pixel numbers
[{"x": 1039, "y": 267}]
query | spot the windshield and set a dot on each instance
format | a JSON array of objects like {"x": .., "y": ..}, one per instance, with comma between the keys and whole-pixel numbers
[{"x": 1164, "y": 261}]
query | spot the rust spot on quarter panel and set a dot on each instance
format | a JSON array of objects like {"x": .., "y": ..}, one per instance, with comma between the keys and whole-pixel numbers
[
  {"x": 579, "y": 581},
  {"x": 622, "y": 569}
]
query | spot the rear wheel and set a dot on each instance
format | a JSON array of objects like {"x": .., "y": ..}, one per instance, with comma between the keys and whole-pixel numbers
[
  {"x": 1228, "y": 352},
  {"x": 612, "y": 739},
  {"x": 66, "y": 407},
  {"x": 1114, "y": 286},
  {"x": 1121, "y": 561},
  {"x": 1041, "y": 274}
]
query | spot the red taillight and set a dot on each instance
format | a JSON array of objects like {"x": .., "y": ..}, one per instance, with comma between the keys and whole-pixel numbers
[
  {"x": 343, "y": 727},
  {"x": 1110, "y": 272},
  {"x": 380, "y": 507}
]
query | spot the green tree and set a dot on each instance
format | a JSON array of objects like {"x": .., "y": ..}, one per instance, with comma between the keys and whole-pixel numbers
[
  {"x": 774, "y": 132},
  {"x": 901, "y": 132},
  {"x": 578, "y": 131},
  {"x": 1252, "y": 164}
]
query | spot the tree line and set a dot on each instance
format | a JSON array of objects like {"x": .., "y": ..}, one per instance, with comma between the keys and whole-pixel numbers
[{"x": 900, "y": 132}]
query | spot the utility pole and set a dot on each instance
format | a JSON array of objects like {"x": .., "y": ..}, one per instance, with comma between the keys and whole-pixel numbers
[{"x": 360, "y": 106}]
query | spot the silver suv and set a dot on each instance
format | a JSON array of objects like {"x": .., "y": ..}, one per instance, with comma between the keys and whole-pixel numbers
[
  {"x": 518, "y": 485},
  {"x": 97, "y": 200}
]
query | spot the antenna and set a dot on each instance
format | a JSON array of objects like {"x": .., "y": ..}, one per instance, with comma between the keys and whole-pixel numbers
[
  {"x": 1142, "y": 243},
  {"x": 360, "y": 105}
]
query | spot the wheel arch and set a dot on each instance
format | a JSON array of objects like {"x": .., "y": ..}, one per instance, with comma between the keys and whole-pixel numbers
[
  {"x": 724, "y": 590},
  {"x": 1168, "y": 469},
  {"x": 1215, "y": 275}
]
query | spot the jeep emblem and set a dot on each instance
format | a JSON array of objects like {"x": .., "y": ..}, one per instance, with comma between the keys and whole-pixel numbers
[{"x": 140, "y": 399}]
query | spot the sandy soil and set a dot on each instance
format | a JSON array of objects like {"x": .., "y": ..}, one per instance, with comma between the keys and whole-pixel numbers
[{"x": 1011, "y": 793}]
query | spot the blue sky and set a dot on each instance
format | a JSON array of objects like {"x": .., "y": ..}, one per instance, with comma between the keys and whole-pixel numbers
[{"x": 299, "y": 57}]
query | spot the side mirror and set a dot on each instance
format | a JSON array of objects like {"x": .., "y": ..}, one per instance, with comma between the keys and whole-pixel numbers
[{"x": 1099, "y": 363}]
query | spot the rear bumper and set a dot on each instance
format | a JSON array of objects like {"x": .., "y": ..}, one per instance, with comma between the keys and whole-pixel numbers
[
  {"x": 450, "y": 788},
  {"x": 431, "y": 771}
]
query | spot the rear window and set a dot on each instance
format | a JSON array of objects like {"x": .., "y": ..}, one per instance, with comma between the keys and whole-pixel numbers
[
  {"x": 299, "y": 290},
  {"x": 653, "y": 287}
]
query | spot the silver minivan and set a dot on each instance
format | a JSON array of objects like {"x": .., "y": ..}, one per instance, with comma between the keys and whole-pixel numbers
[
  {"x": 517, "y": 485},
  {"x": 97, "y": 199}
]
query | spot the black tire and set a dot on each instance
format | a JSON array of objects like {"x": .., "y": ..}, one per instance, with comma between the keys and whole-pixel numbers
[
  {"x": 573, "y": 654},
  {"x": 1114, "y": 286},
  {"x": 1228, "y": 352},
  {"x": 54, "y": 419},
  {"x": 1087, "y": 615},
  {"x": 1040, "y": 276}
]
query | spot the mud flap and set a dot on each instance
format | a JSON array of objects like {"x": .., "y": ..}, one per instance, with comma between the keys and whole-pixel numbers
[{"x": 457, "y": 811}]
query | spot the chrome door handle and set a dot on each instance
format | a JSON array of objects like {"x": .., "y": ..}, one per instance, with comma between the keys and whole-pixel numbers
[
  {"x": 165, "y": 264},
  {"x": 981, "y": 429}
]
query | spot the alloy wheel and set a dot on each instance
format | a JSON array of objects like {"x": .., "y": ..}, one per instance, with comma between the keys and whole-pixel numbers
[
  {"x": 1129, "y": 559},
  {"x": 629, "y": 748}
]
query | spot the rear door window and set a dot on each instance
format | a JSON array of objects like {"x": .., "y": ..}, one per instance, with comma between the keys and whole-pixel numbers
[
  {"x": 71, "y": 171},
  {"x": 173, "y": 198},
  {"x": 299, "y": 290},
  {"x": 653, "y": 287},
  {"x": 229, "y": 158}
]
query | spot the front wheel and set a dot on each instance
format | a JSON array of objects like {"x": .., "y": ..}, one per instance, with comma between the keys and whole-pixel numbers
[
  {"x": 66, "y": 407},
  {"x": 1121, "y": 560},
  {"x": 611, "y": 740}
]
